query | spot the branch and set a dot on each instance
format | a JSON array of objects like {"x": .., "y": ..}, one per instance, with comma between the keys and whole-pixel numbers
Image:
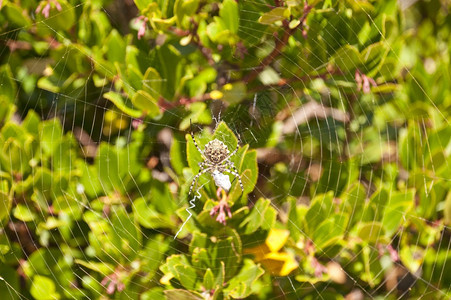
[
  {"x": 312, "y": 110},
  {"x": 283, "y": 82},
  {"x": 165, "y": 104},
  {"x": 279, "y": 45}
]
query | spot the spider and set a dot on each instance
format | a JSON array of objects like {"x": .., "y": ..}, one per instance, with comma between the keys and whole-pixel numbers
[{"x": 216, "y": 161}]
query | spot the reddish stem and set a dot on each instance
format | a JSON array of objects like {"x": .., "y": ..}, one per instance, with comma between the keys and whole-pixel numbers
[{"x": 279, "y": 45}]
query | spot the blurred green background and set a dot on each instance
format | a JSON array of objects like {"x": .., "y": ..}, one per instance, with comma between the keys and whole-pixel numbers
[{"x": 340, "y": 110}]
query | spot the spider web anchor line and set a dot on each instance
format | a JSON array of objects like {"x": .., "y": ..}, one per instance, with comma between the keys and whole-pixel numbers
[{"x": 192, "y": 205}]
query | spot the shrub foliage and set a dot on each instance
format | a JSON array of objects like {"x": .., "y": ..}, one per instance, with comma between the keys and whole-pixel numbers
[{"x": 340, "y": 110}]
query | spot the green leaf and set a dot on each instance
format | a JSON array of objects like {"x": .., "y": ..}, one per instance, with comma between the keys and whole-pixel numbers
[
  {"x": 372, "y": 272},
  {"x": 151, "y": 83},
  {"x": 172, "y": 261},
  {"x": 220, "y": 277},
  {"x": 16, "y": 15},
  {"x": 145, "y": 102},
  {"x": 51, "y": 134},
  {"x": 147, "y": 215},
  {"x": 153, "y": 293},
  {"x": 198, "y": 114},
  {"x": 447, "y": 211},
  {"x": 178, "y": 154},
  {"x": 225, "y": 135},
  {"x": 153, "y": 254},
  {"x": 103, "y": 239},
  {"x": 269, "y": 77},
  {"x": 118, "y": 100},
  {"x": 182, "y": 295},
  {"x": 234, "y": 93},
  {"x": 376, "y": 206},
  {"x": 131, "y": 79},
  {"x": 329, "y": 232},
  {"x": 99, "y": 267},
  {"x": 115, "y": 47},
  {"x": 371, "y": 232},
  {"x": 141, "y": 4},
  {"x": 198, "y": 85},
  {"x": 167, "y": 60},
  {"x": 240, "y": 286},
  {"x": 184, "y": 8},
  {"x": 24, "y": 213},
  {"x": 91, "y": 284},
  {"x": 127, "y": 231},
  {"x": 89, "y": 179},
  {"x": 43, "y": 288},
  {"x": 372, "y": 152},
  {"x": 275, "y": 15},
  {"x": 337, "y": 175},
  {"x": 412, "y": 256},
  {"x": 396, "y": 209},
  {"x": 12, "y": 130},
  {"x": 42, "y": 261},
  {"x": 186, "y": 275},
  {"x": 105, "y": 69},
  {"x": 201, "y": 258},
  {"x": 14, "y": 157},
  {"x": 5, "y": 205},
  {"x": 6, "y": 109},
  {"x": 227, "y": 251},
  {"x": 373, "y": 57},
  {"x": 162, "y": 197},
  {"x": 31, "y": 123},
  {"x": 107, "y": 164},
  {"x": 9, "y": 282},
  {"x": 58, "y": 20},
  {"x": 199, "y": 240},
  {"x": 249, "y": 163},
  {"x": 353, "y": 201},
  {"x": 193, "y": 155},
  {"x": 430, "y": 195},
  {"x": 209, "y": 280},
  {"x": 48, "y": 84},
  {"x": 63, "y": 156},
  {"x": 379, "y": 202},
  {"x": 364, "y": 33},
  {"x": 134, "y": 58},
  {"x": 262, "y": 216},
  {"x": 214, "y": 30},
  {"x": 8, "y": 87},
  {"x": 207, "y": 253},
  {"x": 295, "y": 217},
  {"x": 385, "y": 88},
  {"x": 320, "y": 209},
  {"x": 230, "y": 15},
  {"x": 347, "y": 58}
]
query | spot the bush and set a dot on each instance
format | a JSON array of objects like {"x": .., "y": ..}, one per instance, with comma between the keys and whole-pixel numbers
[{"x": 338, "y": 111}]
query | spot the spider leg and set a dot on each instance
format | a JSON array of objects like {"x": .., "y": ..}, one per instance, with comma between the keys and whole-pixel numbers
[
  {"x": 236, "y": 149},
  {"x": 194, "y": 140},
  {"x": 233, "y": 153},
  {"x": 235, "y": 173},
  {"x": 195, "y": 144},
  {"x": 202, "y": 171}
]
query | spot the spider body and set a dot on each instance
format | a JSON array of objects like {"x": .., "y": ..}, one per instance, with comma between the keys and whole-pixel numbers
[
  {"x": 216, "y": 151},
  {"x": 216, "y": 158}
]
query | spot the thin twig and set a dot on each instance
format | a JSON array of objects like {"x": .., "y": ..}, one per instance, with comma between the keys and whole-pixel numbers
[
  {"x": 165, "y": 104},
  {"x": 281, "y": 43}
]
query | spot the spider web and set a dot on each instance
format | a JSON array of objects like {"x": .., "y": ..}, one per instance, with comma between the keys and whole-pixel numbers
[{"x": 315, "y": 133}]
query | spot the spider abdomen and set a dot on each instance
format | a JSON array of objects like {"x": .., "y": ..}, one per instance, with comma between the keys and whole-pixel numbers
[
  {"x": 217, "y": 162},
  {"x": 216, "y": 151}
]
